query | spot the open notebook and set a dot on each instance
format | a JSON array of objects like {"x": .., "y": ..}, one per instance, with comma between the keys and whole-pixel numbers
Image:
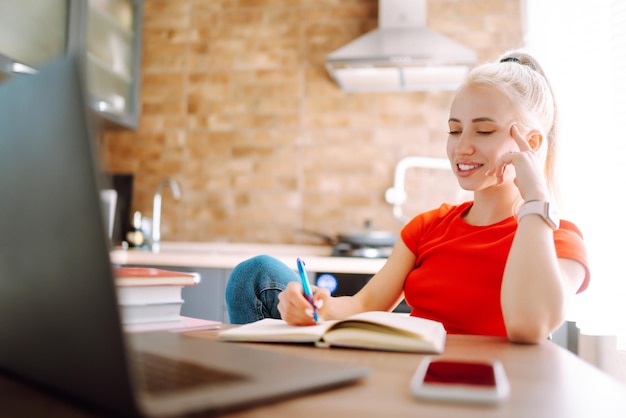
[
  {"x": 386, "y": 331},
  {"x": 59, "y": 319}
]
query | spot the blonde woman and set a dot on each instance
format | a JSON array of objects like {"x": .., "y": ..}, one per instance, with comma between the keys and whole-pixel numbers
[{"x": 502, "y": 264}]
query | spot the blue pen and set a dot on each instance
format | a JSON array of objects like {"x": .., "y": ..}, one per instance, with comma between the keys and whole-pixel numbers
[{"x": 307, "y": 289}]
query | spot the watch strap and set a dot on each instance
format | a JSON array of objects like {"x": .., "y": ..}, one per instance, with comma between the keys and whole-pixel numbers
[{"x": 545, "y": 209}]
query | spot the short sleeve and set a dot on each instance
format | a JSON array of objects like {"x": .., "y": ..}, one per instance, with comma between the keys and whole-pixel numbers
[
  {"x": 568, "y": 241},
  {"x": 413, "y": 231}
]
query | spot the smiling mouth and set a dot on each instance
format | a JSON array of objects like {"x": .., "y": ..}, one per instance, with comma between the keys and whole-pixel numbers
[{"x": 466, "y": 168}]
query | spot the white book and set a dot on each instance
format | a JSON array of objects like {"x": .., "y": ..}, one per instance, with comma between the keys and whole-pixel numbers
[
  {"x": 147, "y": 285},
  {"x": 141, "y": 295},
  {"x": 148, "y": 276},
  {"x": 152, "y": 312}
]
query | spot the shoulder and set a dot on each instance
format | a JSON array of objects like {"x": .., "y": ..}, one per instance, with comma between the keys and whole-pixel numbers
[
  {"x": 569, "y": 228},
  {"x": 446, "y": 210},
  {"x": 425, "y": 221},
  {"x": 568, "y": 234},
  {"x": 569, "y": 243}
]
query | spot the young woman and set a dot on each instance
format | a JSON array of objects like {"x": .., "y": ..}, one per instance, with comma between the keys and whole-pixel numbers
[{"x": 502, "y": 264}]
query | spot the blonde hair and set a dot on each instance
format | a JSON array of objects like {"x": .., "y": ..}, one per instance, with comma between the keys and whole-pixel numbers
[{"x": 520, "y": 77}]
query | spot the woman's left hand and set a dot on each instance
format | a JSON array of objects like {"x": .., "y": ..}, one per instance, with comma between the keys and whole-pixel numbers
[{"x": 529, "y": 174}]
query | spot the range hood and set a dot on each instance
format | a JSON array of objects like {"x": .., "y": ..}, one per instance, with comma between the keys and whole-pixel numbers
[{"x": 401, "y": 55}]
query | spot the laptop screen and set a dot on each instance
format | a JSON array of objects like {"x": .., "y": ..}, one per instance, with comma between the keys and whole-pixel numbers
[
  {"x": 58, "y": 313},
  {"x": 59, "y": 319}
]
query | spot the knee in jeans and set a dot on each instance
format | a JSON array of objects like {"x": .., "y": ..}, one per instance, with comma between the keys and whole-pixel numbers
[
  {"x": 257, "y": 262},
  {"x": 245, "y": 273}
]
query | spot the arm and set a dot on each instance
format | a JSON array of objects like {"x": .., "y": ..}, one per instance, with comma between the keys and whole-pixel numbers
[
  {"x": 383, "y": 292},
  {"x": 536, "y": 285}
]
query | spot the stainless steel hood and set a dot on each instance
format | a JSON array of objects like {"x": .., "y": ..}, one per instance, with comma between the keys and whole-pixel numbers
[{"x": 401, "y": 55}]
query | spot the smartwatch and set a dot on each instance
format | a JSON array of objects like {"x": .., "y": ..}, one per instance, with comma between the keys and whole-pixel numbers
[{"x": 546, "y": 210}]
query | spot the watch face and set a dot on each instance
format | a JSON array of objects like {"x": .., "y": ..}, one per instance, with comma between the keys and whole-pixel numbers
[{"x": 553, "y": 215}]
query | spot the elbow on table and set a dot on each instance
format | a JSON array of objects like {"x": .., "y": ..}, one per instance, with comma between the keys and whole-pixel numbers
[
  {"x": 524, "y": 333},
  {"x": 532, "y": 327}
]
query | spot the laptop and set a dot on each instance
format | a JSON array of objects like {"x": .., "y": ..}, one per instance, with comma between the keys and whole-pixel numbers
[{"x": 59, "y": 321}]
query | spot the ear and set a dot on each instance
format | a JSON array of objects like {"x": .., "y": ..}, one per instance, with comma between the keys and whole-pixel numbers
[{"x": 535, "y": 139}]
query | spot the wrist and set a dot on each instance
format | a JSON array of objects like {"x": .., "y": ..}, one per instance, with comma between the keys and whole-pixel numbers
[
  {"x": 540, "y": 195},
  {"x": 545, "y": 209}
]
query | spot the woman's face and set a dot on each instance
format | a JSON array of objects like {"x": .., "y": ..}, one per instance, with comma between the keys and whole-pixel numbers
[{"x": 479, "y": 134}]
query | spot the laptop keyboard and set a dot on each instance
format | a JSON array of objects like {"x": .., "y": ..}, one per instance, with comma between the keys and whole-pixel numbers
[{"x": 158, "y": 374}]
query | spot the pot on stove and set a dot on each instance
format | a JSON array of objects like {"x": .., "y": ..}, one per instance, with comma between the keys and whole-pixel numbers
[{"x": 366, "y": 242}]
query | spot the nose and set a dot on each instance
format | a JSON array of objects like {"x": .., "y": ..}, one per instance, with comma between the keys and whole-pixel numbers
[{"x": 464, "y": 144}]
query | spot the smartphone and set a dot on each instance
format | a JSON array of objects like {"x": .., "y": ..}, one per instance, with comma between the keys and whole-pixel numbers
[{"x": 460, "y": 380}]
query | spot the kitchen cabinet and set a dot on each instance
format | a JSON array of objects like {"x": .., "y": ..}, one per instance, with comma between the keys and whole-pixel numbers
[
  {"x": 113, "y": 58},
  {"x": 206, "y": 300},
  {"x": 104, "y": 34}
]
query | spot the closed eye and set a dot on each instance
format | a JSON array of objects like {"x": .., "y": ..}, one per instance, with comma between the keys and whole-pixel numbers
[{"x": 484, "y": 132}]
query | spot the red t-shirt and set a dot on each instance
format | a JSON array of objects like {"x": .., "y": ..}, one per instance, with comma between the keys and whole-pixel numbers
[{"x": 459, "y": 267}]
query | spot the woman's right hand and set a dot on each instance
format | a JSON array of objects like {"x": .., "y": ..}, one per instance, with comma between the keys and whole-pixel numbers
[{"x": 295, "y": 309}]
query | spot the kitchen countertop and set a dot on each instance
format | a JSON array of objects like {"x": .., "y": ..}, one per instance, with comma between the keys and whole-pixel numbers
[{"x": 227, "y": 255}]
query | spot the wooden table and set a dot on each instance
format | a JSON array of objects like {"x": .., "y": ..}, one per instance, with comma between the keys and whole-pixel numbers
[{"x": 546, "y": 381}]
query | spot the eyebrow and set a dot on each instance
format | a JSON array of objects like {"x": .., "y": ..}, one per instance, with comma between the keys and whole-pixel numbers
[{"x": 475, "y": 120}]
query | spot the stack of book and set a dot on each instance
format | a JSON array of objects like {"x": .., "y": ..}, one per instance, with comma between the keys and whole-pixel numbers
[{"x": 150, "y": 299}]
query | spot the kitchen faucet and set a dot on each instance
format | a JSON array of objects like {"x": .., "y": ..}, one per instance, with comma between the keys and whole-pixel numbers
[
  {"x": 156, "y": 210},
  {"x": 396, "y": 195}
]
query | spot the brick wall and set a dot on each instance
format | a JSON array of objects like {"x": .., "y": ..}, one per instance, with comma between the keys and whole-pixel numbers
[{"x": 237, "y": 107}]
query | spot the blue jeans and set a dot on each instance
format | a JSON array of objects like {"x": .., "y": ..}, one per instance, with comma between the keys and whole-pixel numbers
[{"x": 253, "y": 288}]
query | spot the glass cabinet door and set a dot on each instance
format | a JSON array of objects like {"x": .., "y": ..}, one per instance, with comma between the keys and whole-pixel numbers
[
  {"x": 31, "y": 33},
  {"x": 112, "y": 56},
  {"x": 106, "y": 34}
]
